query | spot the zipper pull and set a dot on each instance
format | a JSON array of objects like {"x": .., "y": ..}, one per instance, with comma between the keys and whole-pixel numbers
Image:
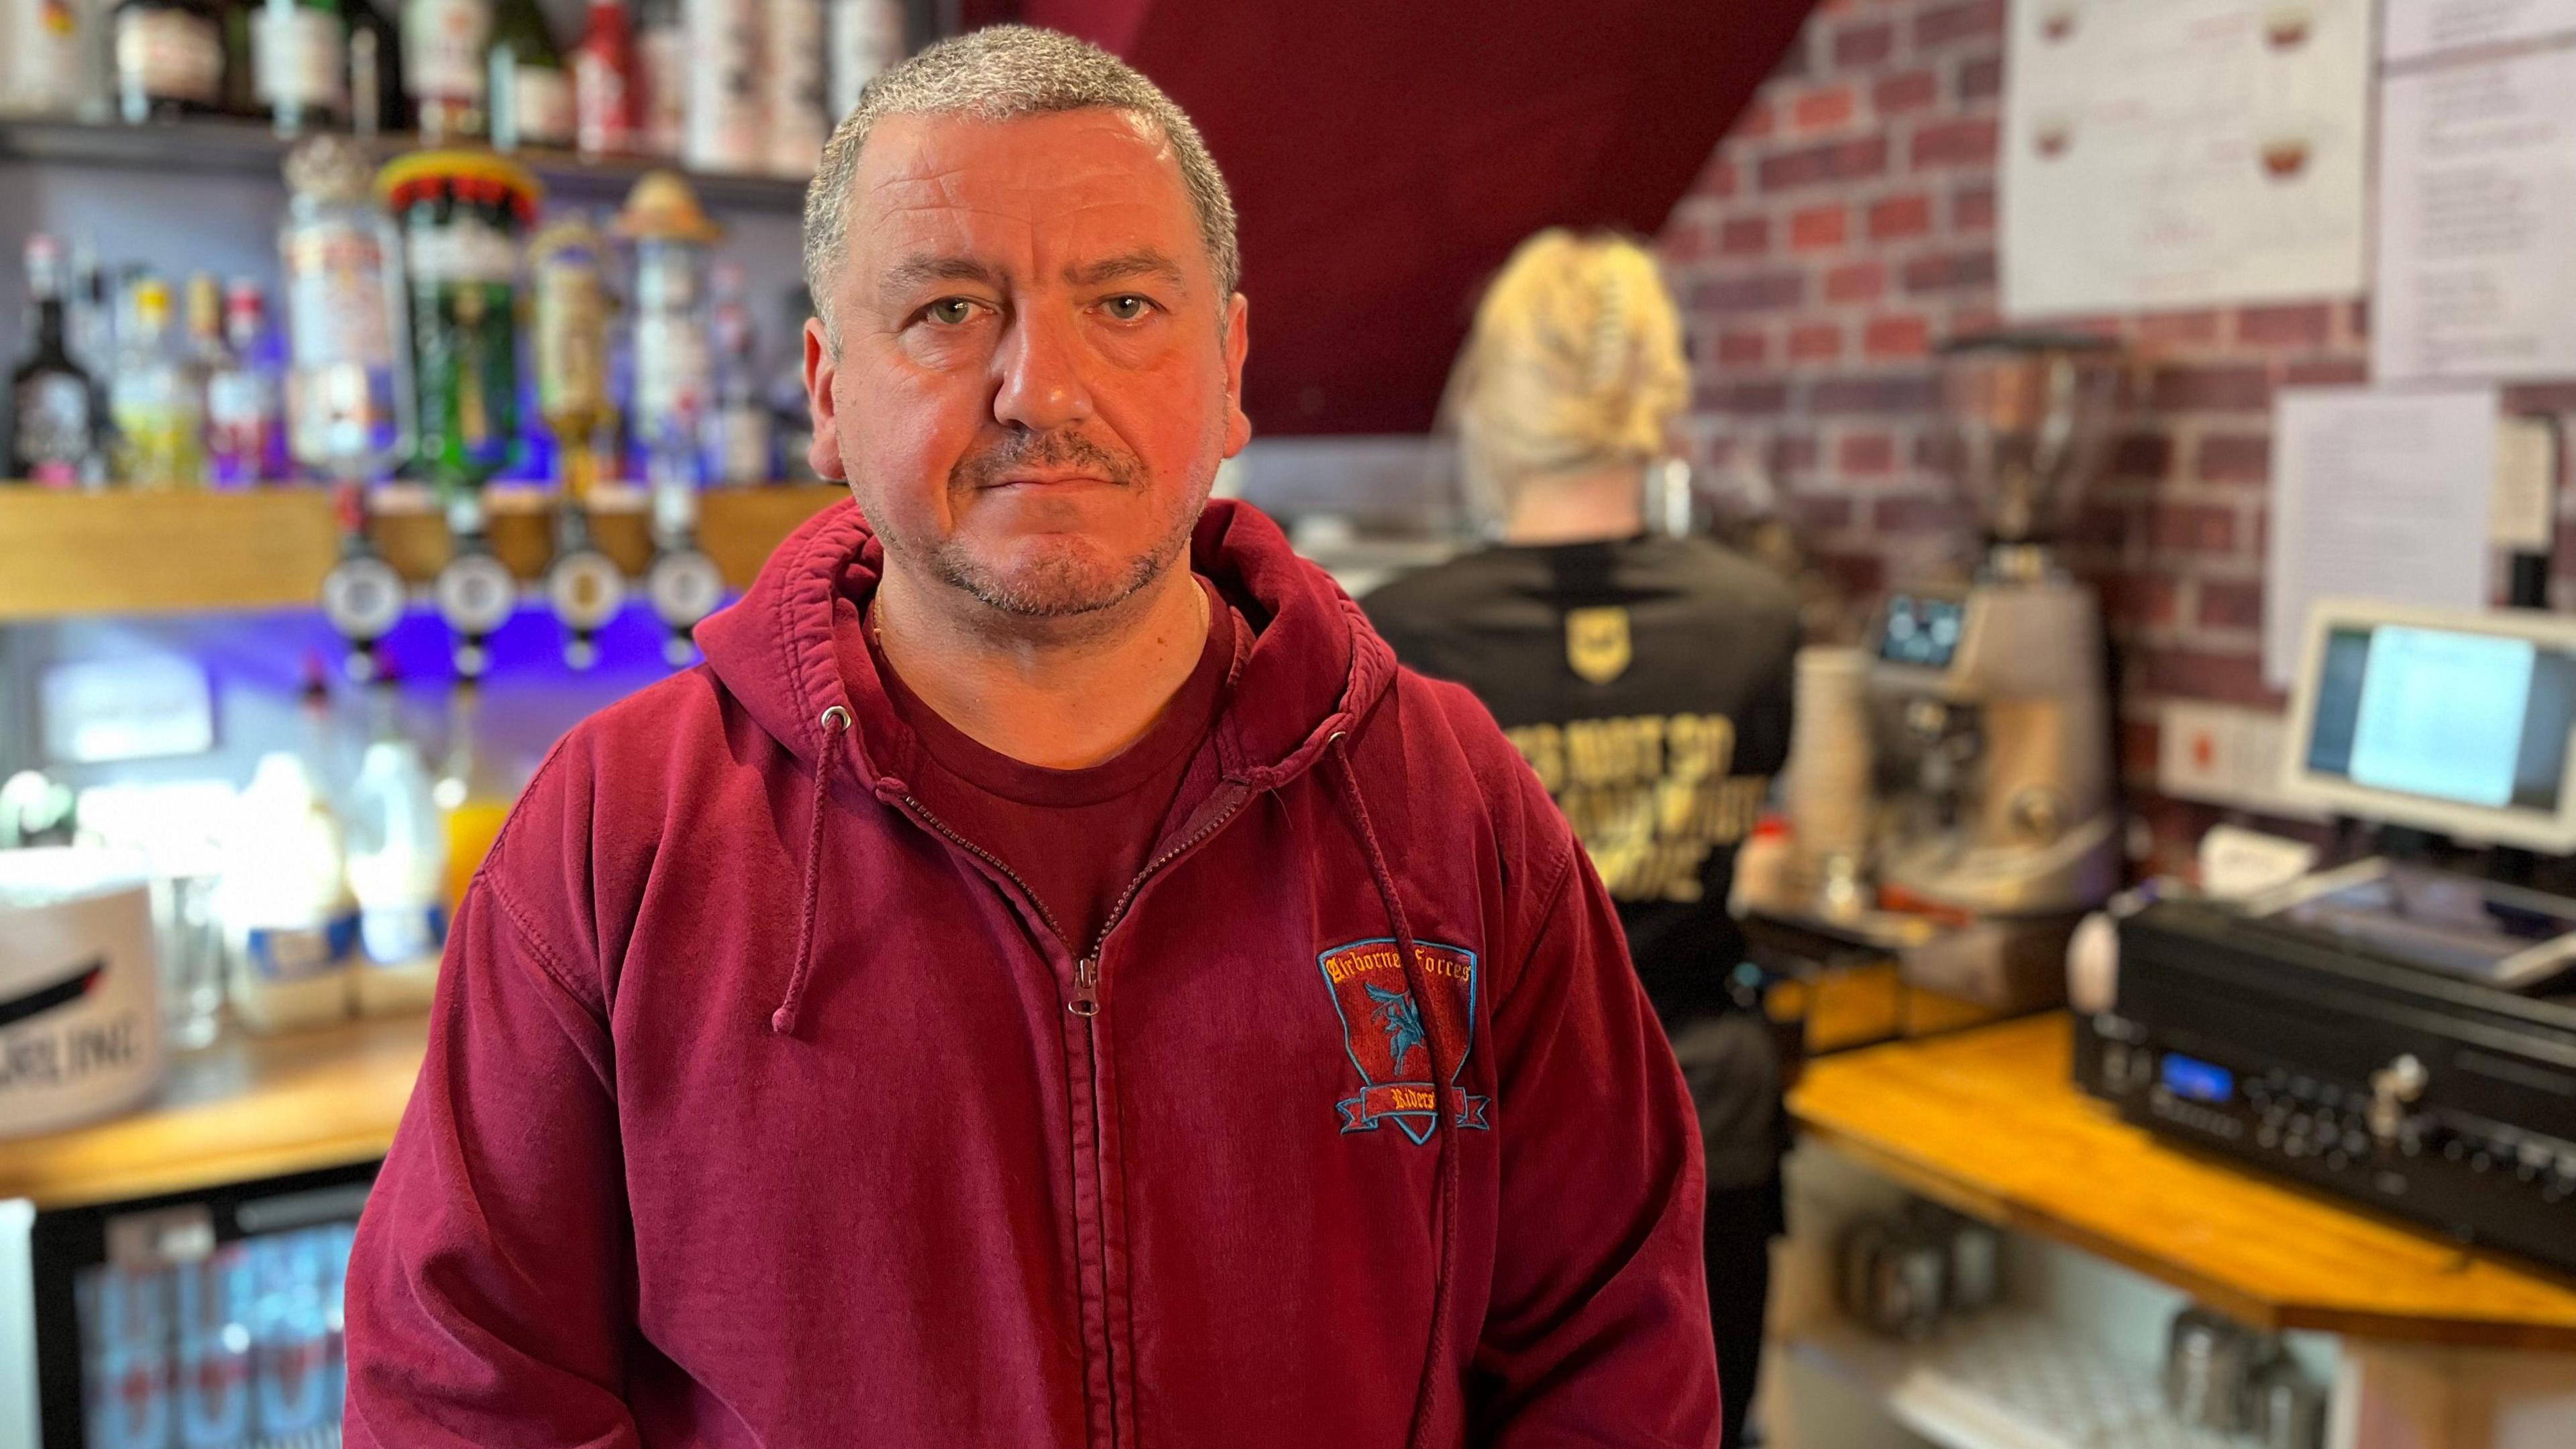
[{"x": 1086, "y": 988}]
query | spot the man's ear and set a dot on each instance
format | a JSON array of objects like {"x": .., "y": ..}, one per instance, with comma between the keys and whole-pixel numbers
[
  {"x": 1238, "y": 426},
  {"x": 823, "y": 451}
]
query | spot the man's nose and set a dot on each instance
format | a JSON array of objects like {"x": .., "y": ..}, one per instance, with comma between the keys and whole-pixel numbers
[{"x": 1043, "y": 384}]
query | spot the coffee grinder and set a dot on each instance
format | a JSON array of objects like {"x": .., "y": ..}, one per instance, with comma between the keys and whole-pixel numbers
[{"x": 2007, "y": 828}]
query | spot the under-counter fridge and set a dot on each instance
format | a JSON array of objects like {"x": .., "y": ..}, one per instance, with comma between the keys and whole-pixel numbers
[{"x": 198, "y": 1320}]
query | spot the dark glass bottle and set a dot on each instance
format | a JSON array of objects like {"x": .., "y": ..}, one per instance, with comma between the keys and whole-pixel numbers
[
  {"x": 169, "y": 59},
  {"x": 383, "y": 71},
  {"x": 540, "y": 100},
  {"x": 54, "y": 438}
]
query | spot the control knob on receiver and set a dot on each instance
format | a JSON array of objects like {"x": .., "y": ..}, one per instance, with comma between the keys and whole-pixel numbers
[{"x": 2392, "y": 1087}]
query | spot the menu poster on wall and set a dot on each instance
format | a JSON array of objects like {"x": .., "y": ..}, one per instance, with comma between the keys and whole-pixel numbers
[
  {"x": 2417, "y": 28},
  {"x": 2477, "y": 197},
  {"x": 2161, "y": 154},
  {"x": 2376, "y": 495}
]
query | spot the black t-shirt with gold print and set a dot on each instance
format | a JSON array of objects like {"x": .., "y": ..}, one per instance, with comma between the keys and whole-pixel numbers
[{"x": 1647, "y": 682}]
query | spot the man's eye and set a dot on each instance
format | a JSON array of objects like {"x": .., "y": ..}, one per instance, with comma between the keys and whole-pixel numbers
[
  {"x": 950, "y": 311},
  {"x": 1127, "y": 309}
]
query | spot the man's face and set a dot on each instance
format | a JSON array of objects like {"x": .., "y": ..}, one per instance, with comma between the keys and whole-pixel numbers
[{"x": 1036, "y": 378}]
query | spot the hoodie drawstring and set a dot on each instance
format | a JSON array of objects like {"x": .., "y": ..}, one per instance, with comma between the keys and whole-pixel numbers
[
  {"x": 1444, "y": 1198},
  {"x": 782, "y": 1022}
]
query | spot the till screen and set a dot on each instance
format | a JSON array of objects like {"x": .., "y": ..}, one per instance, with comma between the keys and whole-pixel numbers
[{"x": 2474, "y": 719}]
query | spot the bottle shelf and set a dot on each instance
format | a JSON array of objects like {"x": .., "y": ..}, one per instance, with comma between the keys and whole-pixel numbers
[
  {"x": 202, "y": 147},
  {"x": 127, "y": 552}
]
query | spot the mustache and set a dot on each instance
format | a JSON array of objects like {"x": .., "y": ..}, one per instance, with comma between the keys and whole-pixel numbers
[{"x": 1059, "y": 449}]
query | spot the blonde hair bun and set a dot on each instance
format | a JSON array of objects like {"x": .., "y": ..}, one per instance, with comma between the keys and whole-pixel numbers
[{"x": 1575, "y": 360}]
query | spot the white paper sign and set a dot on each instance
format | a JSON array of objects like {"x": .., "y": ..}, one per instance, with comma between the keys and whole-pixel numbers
[
  {"x": 2376, "y": 495},
  {"x": 145, "y": 707},
  {"x": 2416, "y": 28},
  {"x": 2183, "y": 153},
  {"x": 2477, "y": 202}
]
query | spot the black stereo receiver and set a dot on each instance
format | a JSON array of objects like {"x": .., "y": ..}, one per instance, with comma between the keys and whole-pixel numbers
[{"x": 2426, "y": 1094}]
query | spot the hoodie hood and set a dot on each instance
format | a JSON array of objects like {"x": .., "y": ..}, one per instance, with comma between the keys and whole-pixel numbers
[{"x": 1313, "y": 669}]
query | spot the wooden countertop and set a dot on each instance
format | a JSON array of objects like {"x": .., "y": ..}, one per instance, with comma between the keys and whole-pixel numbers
[
  {"x": 245, "y": 1108},
  {"x": 1988, "y": 1122}
]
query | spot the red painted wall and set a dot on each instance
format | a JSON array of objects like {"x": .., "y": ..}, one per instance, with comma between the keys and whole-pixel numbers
[{"x": 1386, "y": 155}]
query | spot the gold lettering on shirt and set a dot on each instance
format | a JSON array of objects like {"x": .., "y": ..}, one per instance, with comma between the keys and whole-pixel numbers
[{"x": 1648, "y": 795}]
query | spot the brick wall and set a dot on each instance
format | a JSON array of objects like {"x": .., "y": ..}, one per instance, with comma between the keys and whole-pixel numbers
[{"x": 1848, "y": 224}]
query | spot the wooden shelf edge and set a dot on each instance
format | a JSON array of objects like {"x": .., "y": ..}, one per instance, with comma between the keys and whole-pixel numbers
[
  {"x": 65, "y": 555},
  {"x": 2001, "y": 1206},
  {"x": 240, "y": 147},
  {"x": 310, "y": 1155}
]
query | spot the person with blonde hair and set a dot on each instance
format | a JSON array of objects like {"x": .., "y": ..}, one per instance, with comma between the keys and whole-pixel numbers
[{"x": 1645, "y": 679}]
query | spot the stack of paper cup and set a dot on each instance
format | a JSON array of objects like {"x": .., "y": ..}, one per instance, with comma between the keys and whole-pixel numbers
[
  {"x": 1829, "y": 764},
  {"x": 80, "y": 991}
]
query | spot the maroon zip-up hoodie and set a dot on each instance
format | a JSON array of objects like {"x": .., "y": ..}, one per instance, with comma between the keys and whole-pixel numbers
[{"x": 761, "y": 1110}]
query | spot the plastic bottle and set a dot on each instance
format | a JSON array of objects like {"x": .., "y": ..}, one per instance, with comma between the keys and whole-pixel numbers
[
  {"x": 398, "y": 871},
  {"x": 473, "y": 800},
  {"x": 290, "y": 926}
]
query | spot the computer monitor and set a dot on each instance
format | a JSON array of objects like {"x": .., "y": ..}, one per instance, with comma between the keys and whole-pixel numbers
[{"x": 2458, "y": 721}]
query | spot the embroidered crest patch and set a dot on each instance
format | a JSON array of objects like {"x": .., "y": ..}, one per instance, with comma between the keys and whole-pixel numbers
[{"x": 1390, "y": 1036}]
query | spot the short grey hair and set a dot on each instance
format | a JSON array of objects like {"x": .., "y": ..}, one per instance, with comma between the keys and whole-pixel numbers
[{"x": 1002, "y": 73}]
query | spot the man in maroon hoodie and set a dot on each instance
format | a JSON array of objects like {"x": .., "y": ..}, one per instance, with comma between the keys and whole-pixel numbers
[{"x": 1048, "y": 978}]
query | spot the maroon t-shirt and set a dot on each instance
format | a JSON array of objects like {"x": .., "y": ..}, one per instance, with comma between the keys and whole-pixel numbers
[{"x": 1075, "y": 838}]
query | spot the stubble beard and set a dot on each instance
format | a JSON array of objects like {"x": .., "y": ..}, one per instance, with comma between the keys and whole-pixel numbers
[{"x": 1069, "y": 578}]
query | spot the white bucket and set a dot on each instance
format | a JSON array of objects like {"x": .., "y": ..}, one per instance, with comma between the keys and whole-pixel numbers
[{"x": 80, "y": 990}]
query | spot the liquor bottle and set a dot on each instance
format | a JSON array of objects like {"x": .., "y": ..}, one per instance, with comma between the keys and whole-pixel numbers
[
  {"x": 348, "y": 381},
  {"x": 792, "y": 74},
  {"x": 674, "y": 367},
  {"x": 47, "y": 58},
  {"x": 728, "y": 111},
  {"x": 790, "y": 412},
  {"x": 241, "y": 90},
  {"x": 202, "y": 354},
  {"x": 54, "y": 434},
  {"x": 245, "y": 424},
  {"x": 160, "y": 419},
  {"x": 569, "y": 262},
  {"x": 462, "y": 215},
  {"x": 662, "y": 69},
  {"x": 743, "y": 434},
  {"x": 864, "y": 37},
  {"x": 604, "y": 83},
  {"x": 299, "y": 63},
  {"x": 89, "y": 313},
  {"x": 443, "y": 48},
  {"x": 377, "y": 100},
  {"x": 169, "y": 59},
  {"x": 524, "y": 58},
  {"x": 671, "y": 233}
]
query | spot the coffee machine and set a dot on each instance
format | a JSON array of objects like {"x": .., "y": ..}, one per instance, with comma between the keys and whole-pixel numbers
[{"x": 2002, "y": 820}]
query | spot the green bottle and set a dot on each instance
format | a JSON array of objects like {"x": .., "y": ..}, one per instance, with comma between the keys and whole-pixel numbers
[{"x": 532, "y": 89}]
